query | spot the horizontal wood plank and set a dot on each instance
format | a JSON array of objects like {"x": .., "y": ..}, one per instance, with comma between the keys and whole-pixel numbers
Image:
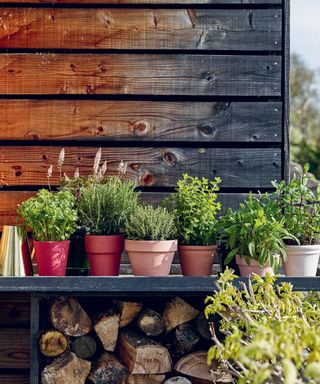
[
  {"x": 226, "y": 2},
  {"x": 252, "y": 168},
  {"x": 14, "y": 348},
  {"x": 199, "y": 29},
  {"x": 140, "y": 74},
  {"x": 140, "y": 120},
  {"x": 14, "y": 309},
  {"x": 14, "y": 379},
  {"x": 18, "y": 310}
]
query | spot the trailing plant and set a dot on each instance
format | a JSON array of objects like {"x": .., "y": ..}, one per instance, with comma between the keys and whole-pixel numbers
[
  {"x": 271, "y": 334},
  {"x": 104, "y": 208},
  {"x": 50, "y": 215},
  {"x": 300, "y": 207},
  {"x": 195, "y": 208},
  {"x": 255, "y": 232},
  {"x": 151, "y": 223}
]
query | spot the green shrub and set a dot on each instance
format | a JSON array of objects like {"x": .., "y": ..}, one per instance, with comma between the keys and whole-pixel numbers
[
  {"x": 50, "y": 215},
  {"x": 104, "y": 208},
  {"x": 195, "y": 208},
  {"x": 150, "y": 223}
]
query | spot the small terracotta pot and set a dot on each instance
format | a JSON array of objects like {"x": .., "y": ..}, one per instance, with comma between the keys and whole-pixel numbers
[
  {"x": 253, "y": 267},
  {"x": 104, "y": 254},
  {"x": 52, "y": 257},
  {"x": 302, "y": 260},
  {"x": 151, "y": 258},
  {"x": 197, "y": 260}
]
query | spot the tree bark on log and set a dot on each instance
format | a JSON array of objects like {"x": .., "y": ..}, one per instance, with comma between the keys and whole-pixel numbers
[
  {"x": 66, "y": 369},
  {"x": 195, "y": 366},
  {"x": 107, "y": 370},
  {"x": 150, "y": 322},
  {"x": 142, "y": 355},
  {"x": 177, "y": 380},
  {"x": 128, "y": 310},
  {"x": 144, "y": 379},
  {"x": 177, "y": 312},
  {"x": 184, "y": 340},
  {"x": 107, "y": 329},
  {"x": 202, "y": 326},
  {"x": 53, "y": 343},
  {"x": 84, "y": 347},
  {"x": 68, "y": 316}
]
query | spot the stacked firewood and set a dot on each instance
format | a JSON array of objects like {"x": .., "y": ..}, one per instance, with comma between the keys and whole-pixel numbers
[{"x": 127, "y": 343}]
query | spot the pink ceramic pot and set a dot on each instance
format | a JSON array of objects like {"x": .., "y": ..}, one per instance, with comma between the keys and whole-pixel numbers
[
  {"x": 52, "y": 257},
  {"x": 253, "y": 267},
  {"x": 104, "y": 254},
  {"x": 197, "y": 260},
  {"x": 151, "y": 258}
]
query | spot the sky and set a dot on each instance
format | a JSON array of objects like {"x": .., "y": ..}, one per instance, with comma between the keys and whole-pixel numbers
[{"x": 305, "y": 31}]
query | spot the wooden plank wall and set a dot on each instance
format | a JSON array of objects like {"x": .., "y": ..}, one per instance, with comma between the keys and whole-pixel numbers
[{"x": 169, "y": 86}]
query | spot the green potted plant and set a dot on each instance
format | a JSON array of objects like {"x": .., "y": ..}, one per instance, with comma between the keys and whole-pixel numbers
[
  {"x": 151, "y": 240},
  {"x": 52, "y": 218},
  {"x": 299, "y": 206},
  {"x": 254, "y": 236},
  {"x": 103, "y": 210},
  {"x": 195, "y": 208}
]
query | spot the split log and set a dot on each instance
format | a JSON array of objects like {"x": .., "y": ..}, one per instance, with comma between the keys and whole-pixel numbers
[
  {"x": 184, "y": 340},
  {"x": 53, "y": 343},
  {"x": 84, "y": 347},
  {"x": 107, "y": 329},
  {"x": 144, "y": 379},
  {"x": 66, "y": 369},
  {"x": 107, "y": 370},
  {"x": 128, "y": 311},
  {"x": 177, "y": 380},
  {"x": 202, "y": 326},
  {"x": 68, "y": 316},
  {"x": 142, "y": 355},
  {"x": 177, "y": 312},
  {"x": 195, "y": 366},
  {"x": 150, "y": 322}
]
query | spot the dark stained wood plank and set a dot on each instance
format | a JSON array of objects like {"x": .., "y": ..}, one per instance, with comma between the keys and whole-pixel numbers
[
  {"x": 14, "y": 348},
  {"x": 252, "y": 168},
  {"x": 14, "y": 309},
  {"x": 140, "y": 120},
  {"x": 14, "y": 379},
  {"x": 199, "y": 29},
  {"x": 140, "y": 74},
  {"x": 227, "y": 2}
]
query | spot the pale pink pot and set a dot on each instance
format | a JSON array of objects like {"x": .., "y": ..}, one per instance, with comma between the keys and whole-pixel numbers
[
  {"x": 197, "y": 260},
  {"x": 151, "y": 258},
  {"x": 253, "y": 267}
]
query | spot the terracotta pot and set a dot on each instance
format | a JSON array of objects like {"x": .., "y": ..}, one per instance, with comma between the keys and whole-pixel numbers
[
  {"x": 104, "y": 254},
  {"x": 197, "y": 260},
  {"x": 253, "y": 267},
  {"x": 52, "y": 257},
  {"x": 151, "y": 258},
  {"x": 302, "y": 260}
]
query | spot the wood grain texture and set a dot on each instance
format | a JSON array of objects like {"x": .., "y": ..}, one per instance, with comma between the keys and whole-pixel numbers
[
  {"x": 104, "y": 28},
  {"x": 19, "y": 312},
  {"x": 14, "y": 379},
  {"x": 227, "y": 2},
  {"x": 140, "y": 120},
  {"x": 140, "y": 74},
  {"x": 253, "y": 168},
  {"x": 14, "y": 309},
  {"x": 14, "y": 348}
]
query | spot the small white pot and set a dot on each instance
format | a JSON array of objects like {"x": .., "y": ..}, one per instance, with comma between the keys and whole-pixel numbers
[{"x": 302, "y": 260}]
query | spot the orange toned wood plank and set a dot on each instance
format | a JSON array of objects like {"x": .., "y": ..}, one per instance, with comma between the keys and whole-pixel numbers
[
  {"x": 176, "y": 29},
  {"x": 140, "y": 74},
  {"x": 14, "y": 348},
  {"x": 8, "y": 206},
  {"x": 22, "y": 165},
  {"x": 140, "y": 120},
  {"x": 14, "y": 308}
]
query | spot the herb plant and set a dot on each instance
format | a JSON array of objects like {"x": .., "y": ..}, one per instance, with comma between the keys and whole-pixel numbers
[
  {"x": 195, "y": 208},
  {"x": 254, "y": 232},
  {"x": 104, "y": 208},
  {"x": 151, "y": 223},
  {"x": 300, "y": 207},
  {"x": 50, "y": 215},
  {"x": 271, "y": 333}
]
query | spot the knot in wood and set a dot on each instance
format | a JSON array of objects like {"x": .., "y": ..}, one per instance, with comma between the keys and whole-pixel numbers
[
  {"x": 210, "y": 76},
  {"x": 17, "y": 170},
  {"x": 140, "y": 127},
  {"x": 147, "y": 179},
  {"x": 170, "y": 158},
  {"x": 207, "y": 129}
]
